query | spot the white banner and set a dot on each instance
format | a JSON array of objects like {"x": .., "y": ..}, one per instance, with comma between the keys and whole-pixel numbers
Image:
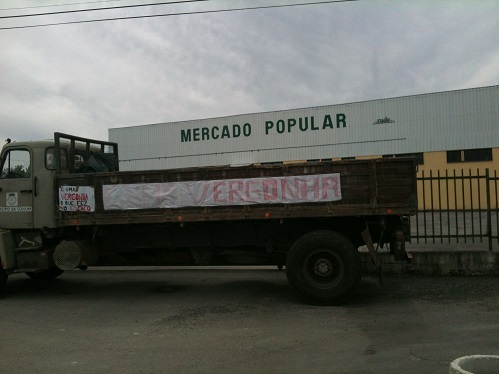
[
  {"x": 76, "y": 198},
  {"x": 269, "y": 190}
]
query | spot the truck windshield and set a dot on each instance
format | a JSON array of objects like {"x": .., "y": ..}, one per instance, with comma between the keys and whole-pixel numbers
[{"x": 16, "y": 164}]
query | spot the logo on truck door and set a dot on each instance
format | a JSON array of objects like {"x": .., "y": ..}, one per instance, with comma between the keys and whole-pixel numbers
[
  {"x": 11, "y": 199},
  {"x": 12, "y": 204}
]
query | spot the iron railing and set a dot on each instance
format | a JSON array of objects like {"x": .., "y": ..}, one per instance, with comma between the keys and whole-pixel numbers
[{"x": 458, "y": 207}]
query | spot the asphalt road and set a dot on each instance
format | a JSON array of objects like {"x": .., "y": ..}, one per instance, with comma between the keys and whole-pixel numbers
[{"x": 240, "y": 321}]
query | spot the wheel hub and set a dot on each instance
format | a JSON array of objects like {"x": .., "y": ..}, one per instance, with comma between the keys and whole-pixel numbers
[{"x": 323, "y": 267}]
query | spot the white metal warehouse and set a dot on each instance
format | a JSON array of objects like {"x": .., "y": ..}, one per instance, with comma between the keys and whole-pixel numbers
[{"x": 451, "y": 121}]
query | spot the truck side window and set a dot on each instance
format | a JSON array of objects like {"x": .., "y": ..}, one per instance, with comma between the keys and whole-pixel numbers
[
  {"x": 50, "y": 159},
  {"x": 16, "y": 164}
]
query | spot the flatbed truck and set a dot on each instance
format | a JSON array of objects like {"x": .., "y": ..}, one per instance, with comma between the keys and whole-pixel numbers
[{"x": 65, "y": 205}]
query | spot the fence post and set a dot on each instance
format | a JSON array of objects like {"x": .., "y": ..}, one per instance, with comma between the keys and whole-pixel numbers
[{"x": 489, "y": 208}]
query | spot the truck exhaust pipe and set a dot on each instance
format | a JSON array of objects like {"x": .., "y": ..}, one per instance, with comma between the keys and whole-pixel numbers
[{"x": 69, "y": 255}]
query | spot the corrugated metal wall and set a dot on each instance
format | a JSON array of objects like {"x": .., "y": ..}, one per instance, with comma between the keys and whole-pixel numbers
[{"x": 450, "y": 120}]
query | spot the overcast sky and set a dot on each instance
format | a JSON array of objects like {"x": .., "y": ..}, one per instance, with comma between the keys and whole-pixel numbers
[{"x": 86, "y": 78}]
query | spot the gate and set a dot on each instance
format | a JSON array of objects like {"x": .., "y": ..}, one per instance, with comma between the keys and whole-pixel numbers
[{"x": 457, "y": 207}]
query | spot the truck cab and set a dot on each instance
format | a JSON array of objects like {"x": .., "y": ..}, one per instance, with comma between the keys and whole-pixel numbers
[
  {"x": 29, "y": 227},
  {"x": 27, "y": 196},
  {"x": 27, "y": 200}
]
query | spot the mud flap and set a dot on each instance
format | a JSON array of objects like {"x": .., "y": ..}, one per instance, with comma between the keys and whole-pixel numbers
[
  {"x": 366, "y": 235},
  {"x": 397, "y": 247},
  {"x": 7, "y": 250}
]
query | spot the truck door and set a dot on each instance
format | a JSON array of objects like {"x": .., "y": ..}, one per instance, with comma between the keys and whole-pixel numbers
[
  {"x": 16, "y": 189},
  {"x": 44, "y": 169}
]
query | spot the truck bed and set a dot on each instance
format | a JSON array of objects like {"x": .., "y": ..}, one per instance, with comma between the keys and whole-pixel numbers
[{"x": 368, "y": 187}]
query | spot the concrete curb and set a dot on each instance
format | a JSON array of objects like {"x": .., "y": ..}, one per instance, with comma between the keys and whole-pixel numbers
[
  {"x": 475, "y": 364},
  {"x": 434, "y": 260}
]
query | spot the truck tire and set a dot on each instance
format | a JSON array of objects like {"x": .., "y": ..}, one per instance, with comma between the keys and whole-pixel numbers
[
  {"x": 324, "y": 267},
  {"x": 47, "y": 274}
]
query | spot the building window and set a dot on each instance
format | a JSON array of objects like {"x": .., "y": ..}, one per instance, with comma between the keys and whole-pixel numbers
[
  {"x": 319, "y": 159},
  {"x": 484, "y": 154},
  {"x": 418, "y": 156},
  {"x": 453, "y": 156},
  {"x": 470, "y": 155}
]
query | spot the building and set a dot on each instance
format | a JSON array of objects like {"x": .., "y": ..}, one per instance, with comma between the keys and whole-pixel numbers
[{"x": 442, "y": 129}]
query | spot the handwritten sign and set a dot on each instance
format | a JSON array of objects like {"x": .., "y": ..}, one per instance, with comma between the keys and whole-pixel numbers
[{"x": 76, "y": 198}]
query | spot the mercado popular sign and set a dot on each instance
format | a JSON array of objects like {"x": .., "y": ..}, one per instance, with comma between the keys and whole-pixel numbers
[
  {"x": 280, "y": 126},
  {"x": 246, "y": 191}
]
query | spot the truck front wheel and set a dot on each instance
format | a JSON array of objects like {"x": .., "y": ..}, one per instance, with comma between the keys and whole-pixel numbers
[
  {"x": 324, "y": 267},
  {"x": 47, "y": 274}
]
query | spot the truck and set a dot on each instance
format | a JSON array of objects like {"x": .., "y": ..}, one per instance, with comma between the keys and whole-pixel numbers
[{"x": 64, "y": 205}]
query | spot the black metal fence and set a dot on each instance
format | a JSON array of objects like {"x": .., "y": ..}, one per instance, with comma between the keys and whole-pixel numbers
[{"x": 458, "y": 206}]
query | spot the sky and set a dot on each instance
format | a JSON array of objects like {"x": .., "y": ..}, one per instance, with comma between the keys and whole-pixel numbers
[{"x": 85, "y": 78}]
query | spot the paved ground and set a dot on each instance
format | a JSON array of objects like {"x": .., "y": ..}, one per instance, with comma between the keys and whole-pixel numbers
[{"x": 240, "y": 321}]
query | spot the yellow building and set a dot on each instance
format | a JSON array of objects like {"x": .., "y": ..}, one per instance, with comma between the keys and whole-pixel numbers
[{"x": 459, "y": 179}]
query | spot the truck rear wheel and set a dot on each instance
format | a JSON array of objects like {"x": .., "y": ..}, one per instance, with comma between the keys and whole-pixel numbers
[
  {"x": 324, "y": 267},
  {"x": 47, "y": 274}
]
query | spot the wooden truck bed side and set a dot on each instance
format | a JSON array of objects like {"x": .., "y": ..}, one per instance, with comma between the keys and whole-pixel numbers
[{"x": 368, "y": 187}]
